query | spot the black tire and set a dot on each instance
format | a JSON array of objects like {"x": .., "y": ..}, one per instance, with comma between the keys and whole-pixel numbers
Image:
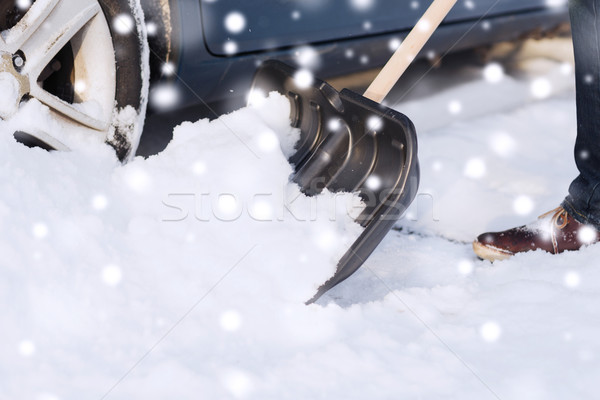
[{"x": 132, "y": 73}]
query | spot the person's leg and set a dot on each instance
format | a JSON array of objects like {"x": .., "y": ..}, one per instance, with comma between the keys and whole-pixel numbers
[
  {"x": 577, "y": 222},
  {"x": 583, "y": 202}
]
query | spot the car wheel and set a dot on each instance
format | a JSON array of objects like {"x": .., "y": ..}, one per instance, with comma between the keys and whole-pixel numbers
[{"x": 86, "y": 61}]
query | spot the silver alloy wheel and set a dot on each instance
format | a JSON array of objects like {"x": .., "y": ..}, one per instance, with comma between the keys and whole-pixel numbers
[{"x": 28, "y": 55}]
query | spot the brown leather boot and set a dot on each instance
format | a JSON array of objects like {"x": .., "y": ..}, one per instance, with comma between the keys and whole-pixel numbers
[{"x": 554, "y": 232}]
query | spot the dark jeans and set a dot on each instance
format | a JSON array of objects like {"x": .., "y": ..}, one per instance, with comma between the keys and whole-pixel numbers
[{"x": 583, "y": 201}]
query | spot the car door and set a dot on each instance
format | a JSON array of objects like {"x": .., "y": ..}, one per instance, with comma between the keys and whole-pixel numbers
[{"x": 244, "y": 26}]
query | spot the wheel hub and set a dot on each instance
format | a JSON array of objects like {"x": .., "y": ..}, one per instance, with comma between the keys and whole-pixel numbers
[{"x": 13, "y": 85}]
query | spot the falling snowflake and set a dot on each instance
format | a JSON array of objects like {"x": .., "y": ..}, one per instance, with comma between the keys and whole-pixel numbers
[
  {"x": 235, "y": 22},
  {"x": 556, "y": 3},
  {"x": 503, "y": 144},
  {"x": 80, "y": 86},
  {"x": 465, "y": 267},
  {"x": 99, "y": 202},
  {"x": 230, "y": 321},
  {"x": 230, "y": 47},
  {"x": 151, "y": 28},
  {"x": 112, "y": 275},
  {"x": 394, "y": 44},
  {"x": 261, "y": 211},
  {"x": 325, "y": 240},
  {"x": 137, "y": 179},
  {"x": 268, "y": 142},
  {"x": 486, "y": 25},
  {"x": 164, "y": 96},
  {"x": 23, "y": 4},
  {"x": 168, "y": 68},
  {"x": 296, "y": 15},
  {"x": 588, "y": 79},
  {"x": 469, "y": 4},
  {"x": 423, "y": 25},
  {"x": 123, "y": 24},
  {"x": 199, "y": 168},
  {"x": 362, "y": 5},
  {"x": 584, "y": 154},
  {"x": 303, "y": 78},
  {"x": 566, "y": 68},
  {"x": 238, "y": 383},
  {"x": 256, "y": 97},
  {"x": 475, "y": 168},
  {"x": 493, "y": 73},
  {"x": 26, "y": 348},
  {"x": 334, "y": 124},
  {"x": 523, "y": 205},
  {"x": 375, "y": 123},
  {"x": 490, "y": 331},
  {"x": 572, "y": 279},
  {"x": 587, "y": 234},
  {"x": 349, "y": 53},
  {"x": 40, "y": 230},
  {"x": 414, "y": 5},
  {"x": 455, "y": 107},
  {"x": 307, "y": 57},
  {"x": 373, "y": 183},
  {"x": 227, "y": 204},
  {"x": 541, "y": 88},
  {"x": 364, "y": 59}
]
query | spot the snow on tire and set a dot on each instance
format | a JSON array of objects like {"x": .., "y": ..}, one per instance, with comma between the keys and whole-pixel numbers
[{"x": 133, "y": 75}]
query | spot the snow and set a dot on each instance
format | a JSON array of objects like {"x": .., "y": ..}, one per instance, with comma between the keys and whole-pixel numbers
[
  {"x": 493, "y": 72},
  {"x": 9, "y": 87},
  {"x": 235, "y": 22},
  {"x": 394, "y": 44},
  {"x": 230, "y": 47},
  {"x": 307, "y": 57},
  {"x": 123, "y": 24},
  {"x": 303, "y": 78},
  {"x": 23, "y": 4},
  {"x": 168, "y": 69},
  {"x": 87, "y": 271},
  {"x": 164, "y": 96},
  {"x": 362, "y": 5},
  {"x": 130, "y": 281}
]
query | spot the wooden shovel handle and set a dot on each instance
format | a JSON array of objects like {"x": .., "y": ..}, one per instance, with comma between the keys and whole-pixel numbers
[{"x": 408, "y": 50}]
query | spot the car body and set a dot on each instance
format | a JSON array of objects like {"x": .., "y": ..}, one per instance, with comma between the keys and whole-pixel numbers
[
  {"x": 215, "y": 62},
  {"x": 86, "y": 61}
]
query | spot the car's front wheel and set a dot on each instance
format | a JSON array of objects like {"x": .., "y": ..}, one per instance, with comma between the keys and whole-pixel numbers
[{"x": 73, "y": 71}]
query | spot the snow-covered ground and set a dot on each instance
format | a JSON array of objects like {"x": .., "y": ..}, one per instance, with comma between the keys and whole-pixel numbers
[{"x": 141, "y": 282}]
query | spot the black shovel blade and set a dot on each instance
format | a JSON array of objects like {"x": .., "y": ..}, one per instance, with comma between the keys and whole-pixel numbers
[{"x": 352, "y": 144}]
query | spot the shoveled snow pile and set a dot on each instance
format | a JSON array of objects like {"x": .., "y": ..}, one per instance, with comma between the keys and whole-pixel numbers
[{"x": 207, "y": 241}]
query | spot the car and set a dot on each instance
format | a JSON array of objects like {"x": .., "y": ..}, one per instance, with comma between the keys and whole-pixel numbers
[{"x": 95, "y": 63}]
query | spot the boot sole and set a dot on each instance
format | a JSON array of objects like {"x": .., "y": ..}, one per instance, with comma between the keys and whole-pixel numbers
[{"x": 490, "y": 253}]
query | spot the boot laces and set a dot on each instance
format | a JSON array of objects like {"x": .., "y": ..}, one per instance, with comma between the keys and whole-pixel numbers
[{"x": 558, "y": 214}]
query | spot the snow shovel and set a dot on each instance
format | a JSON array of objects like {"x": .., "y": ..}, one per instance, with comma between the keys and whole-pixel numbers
[{"x": 352, "y": 143}]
